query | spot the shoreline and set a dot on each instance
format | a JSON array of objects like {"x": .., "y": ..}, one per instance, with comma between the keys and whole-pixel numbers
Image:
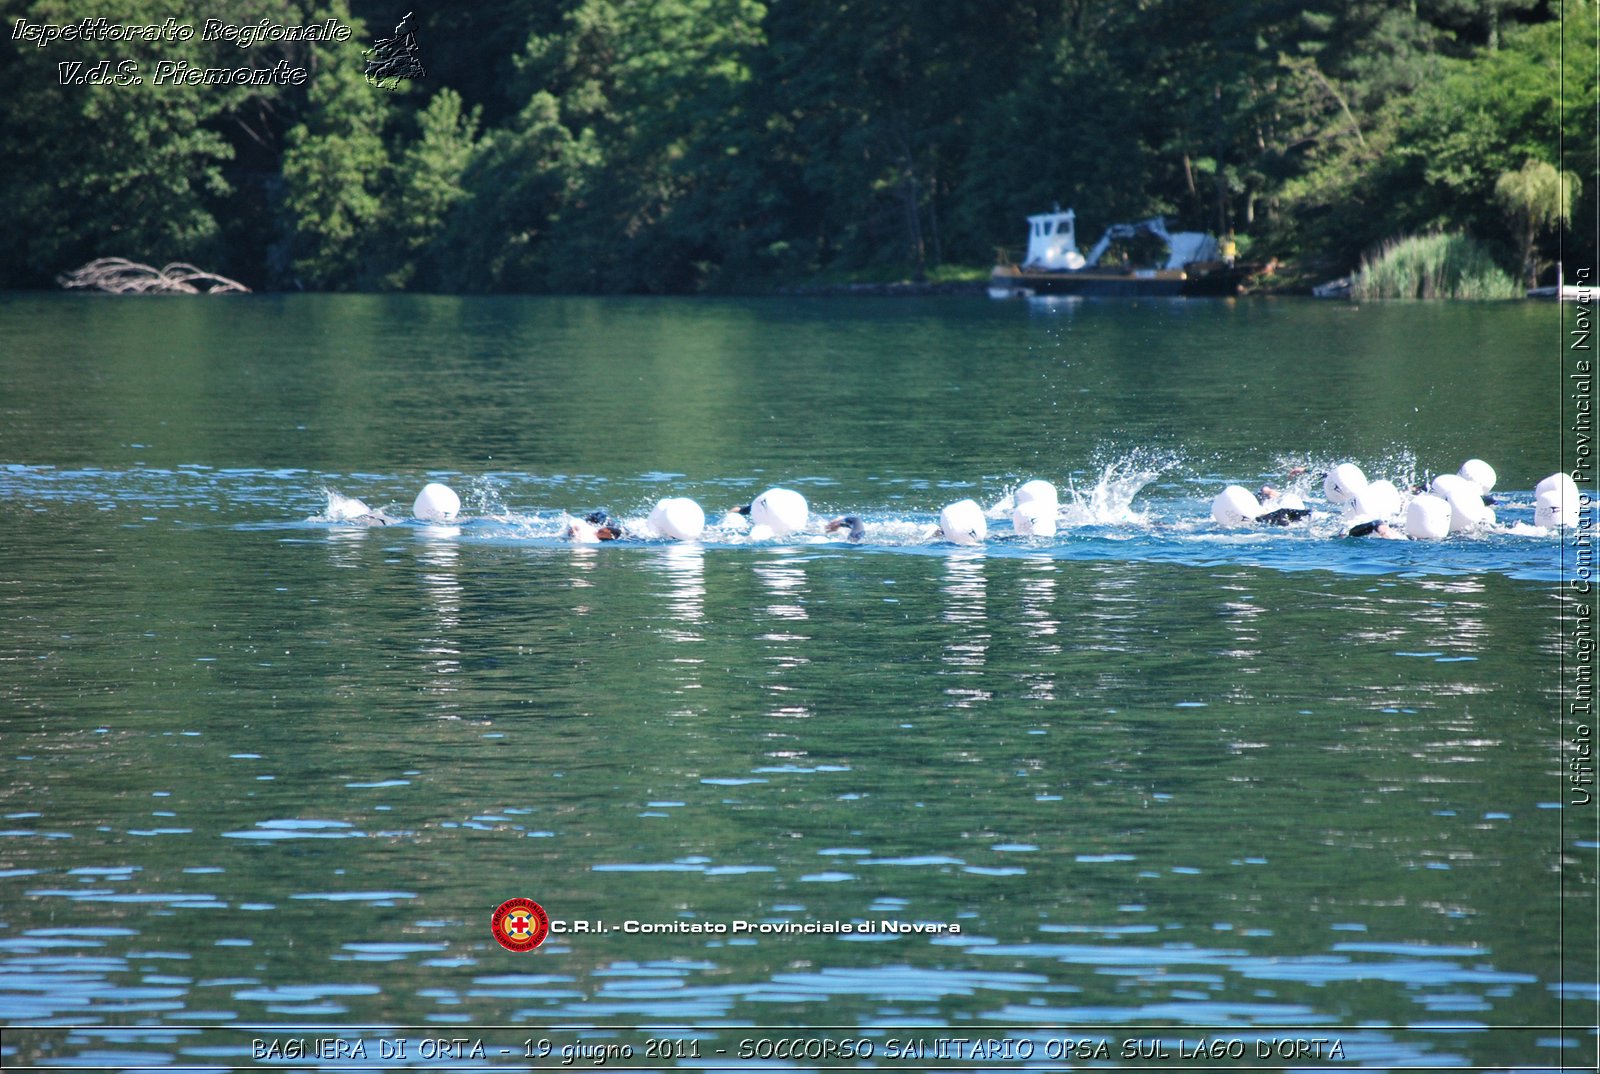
[{"x": 900, "y": 289}]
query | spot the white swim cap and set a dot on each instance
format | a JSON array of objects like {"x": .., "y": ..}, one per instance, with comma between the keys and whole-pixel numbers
[
  {"x": 1558, "y": 482},
  {"x": 1035, "y": 518},
  {"x": 436, "y": 503},
  {"x": 1378, "y": 501},
  {"x": 1035, "y": 491},
  {"x": 1234, "y": 506},
  {"x": 678, "y": 517},
  {"x": 783, "y": 511},
  {"x": 962, "y": 522},
  {"x": 1428, "y": 518},
  {"x": 1343, "y": 482},
  {"x": 1552, "y": 509},
  {"x": 1467, "y": 509},
  {"x": 1479, "y": 473},
  {"x": 1446, "y": 485}
]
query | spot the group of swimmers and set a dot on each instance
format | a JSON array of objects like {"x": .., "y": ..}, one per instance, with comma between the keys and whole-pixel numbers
[
  {"x": 777, "y": 512},
  {"x": 1450, "y": 503}
]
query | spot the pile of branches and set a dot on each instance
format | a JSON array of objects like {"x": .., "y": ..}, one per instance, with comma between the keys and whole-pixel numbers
[{"x": 119, "y": 276}]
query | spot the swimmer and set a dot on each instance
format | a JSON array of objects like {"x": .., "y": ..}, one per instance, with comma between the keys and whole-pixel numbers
[
  {"x": 1372, "y": 508},
  {"x": 1376, "y": 527},
  {"x": 1237, "y": 506},
  {"x": 1427, "y": 517},
  {"x": 851, "y": 523},
  {"x": 962, "y": 522},
  {"x": 678, "y": 517},
  {"x": 1035, "y": 506},
  {"x": 1342, "y": 482},
  {"x": 1037, "y": 491},
  {"x": 594, "y": 527},
  {"x": 1291, "y": 508},
  {"x": 780, "y": 511},
  {"x": 437, "y": 503},
  {"x": 353, "y": 512},
  {"x": 1556, "y": 504},
  {"x": 1481, "y": 474}
]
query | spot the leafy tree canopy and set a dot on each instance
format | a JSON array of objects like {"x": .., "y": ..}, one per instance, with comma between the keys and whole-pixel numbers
[{"x": 684, "y": 145}]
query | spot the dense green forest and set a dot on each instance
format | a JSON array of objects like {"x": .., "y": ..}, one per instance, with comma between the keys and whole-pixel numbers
[{"x": 716, "y": 145}]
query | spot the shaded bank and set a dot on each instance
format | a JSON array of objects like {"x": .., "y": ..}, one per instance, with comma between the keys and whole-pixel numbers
[{"x": 695, "y": 146}]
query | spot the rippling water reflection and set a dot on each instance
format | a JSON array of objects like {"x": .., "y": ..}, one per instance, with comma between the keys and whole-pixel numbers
[{"x": 269, "y": 770}]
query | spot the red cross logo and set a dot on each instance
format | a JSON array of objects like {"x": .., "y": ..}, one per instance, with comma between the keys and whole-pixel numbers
[{"x": 520, "y": 924}]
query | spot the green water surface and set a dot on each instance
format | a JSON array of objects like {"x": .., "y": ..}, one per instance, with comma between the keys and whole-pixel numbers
[{"x": 1167, "y": 783}]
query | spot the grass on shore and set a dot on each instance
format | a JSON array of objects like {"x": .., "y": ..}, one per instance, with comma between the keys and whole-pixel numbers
[{"x": 1433, "y": 266}]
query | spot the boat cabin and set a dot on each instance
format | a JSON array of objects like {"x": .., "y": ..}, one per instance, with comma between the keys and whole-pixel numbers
[{"x": 1053, "y": 241}]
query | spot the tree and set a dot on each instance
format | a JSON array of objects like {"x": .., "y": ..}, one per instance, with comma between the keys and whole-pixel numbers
[
  {"x": 1536, "y": 198},
  {"x": 427, "y": 187},
  {"x": 1479, "y": 19},
  {"x": 335, "y": 167},
  {"x": 115, "y": 167},
  {"x": 1580, "y": 134},
  {"x": 683, "y": 145},
  {"x": 649, "y": 97},
  {"x": 515, "y": 183},
  {"x": 886, "y": 117}
]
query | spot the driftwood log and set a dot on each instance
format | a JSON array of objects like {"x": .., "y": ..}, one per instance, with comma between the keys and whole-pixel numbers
[{"x": 120, "y": 276}]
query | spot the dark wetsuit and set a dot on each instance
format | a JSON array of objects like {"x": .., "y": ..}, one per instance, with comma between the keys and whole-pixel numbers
[{"x": 1283, "y": 516}]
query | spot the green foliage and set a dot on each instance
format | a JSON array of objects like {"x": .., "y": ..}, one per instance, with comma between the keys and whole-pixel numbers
[
  {"x": 1433, "y": 154},
  {"x": 427, "y": 188},
  {"x": 1433, "y": 266},
  {"x": 883, "y": 115},
  {"x": 110, "y": 169},
  {"x": 1580, "y": 133},
  {"x": 335, "y": 166},
  {"x": 1092, "y": 147},
  {"x": 516, "y": 178},
  {"x": 1536, "y": 198},
  {"x": 1536, "y": 194},
  {"x": 689, "y": 145}
]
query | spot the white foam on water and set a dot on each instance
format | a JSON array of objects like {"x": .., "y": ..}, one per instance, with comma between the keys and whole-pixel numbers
[
  {"x": 1109, "y": 501},
  {"x": 342, "y": 508}
]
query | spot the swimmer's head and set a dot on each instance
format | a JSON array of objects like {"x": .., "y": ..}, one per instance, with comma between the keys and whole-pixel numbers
[
  {"x": 1343, "y": 482},
  {"x": 1234, "y": 506},
  {"x": 851, "y": 523},
  {"x": 1479, "y": 473}
]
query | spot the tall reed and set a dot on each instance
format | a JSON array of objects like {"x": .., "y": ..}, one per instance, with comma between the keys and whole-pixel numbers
[{"x": 1433, "y": 266}]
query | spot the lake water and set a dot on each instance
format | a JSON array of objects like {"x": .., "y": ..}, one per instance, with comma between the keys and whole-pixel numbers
[{"x": 1175, "y": 786}]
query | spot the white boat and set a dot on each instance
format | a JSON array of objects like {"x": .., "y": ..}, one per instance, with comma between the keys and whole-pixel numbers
[
  {"x": 1194, "y": 265},
  {"x": 1569, "y": 292}
]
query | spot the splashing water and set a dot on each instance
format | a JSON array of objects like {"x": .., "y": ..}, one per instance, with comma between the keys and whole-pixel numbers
[
  {"x": 342, "y": 508},
  {"x": 1398, "y": 464},
  {"x": 483, "y": 498},
  {"x": 1132, "y": 506},
  {"x": 1110, "y": 501}
]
